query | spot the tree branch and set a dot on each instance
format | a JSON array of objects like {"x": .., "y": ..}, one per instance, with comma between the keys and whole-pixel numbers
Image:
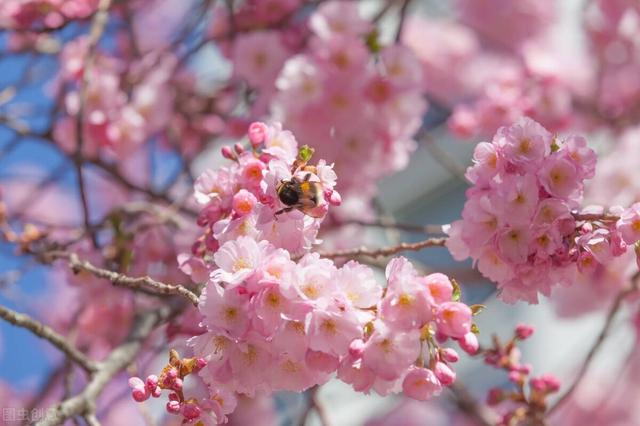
[
  {"x": 386, "y": 251},
  {"x": 84, "y": 404},
  {"x": 468, "y": 404},
  {"x": 615, "y": 307},
  {"x": 136, "y": 283},
  {"x": 47, "y": 333}
]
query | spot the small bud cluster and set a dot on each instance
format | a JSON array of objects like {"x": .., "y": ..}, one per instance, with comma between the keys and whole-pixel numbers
[
  {"x": 525, "y": 408},
  {"x": 172, "y": 379}
]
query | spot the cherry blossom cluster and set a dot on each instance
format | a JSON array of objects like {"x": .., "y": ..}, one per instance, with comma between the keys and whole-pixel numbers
[
  {"x": 43, "y": 14},
  {"x": 113, "y": 119},
  {"x": 524, "y": 406},
  {"x": 506, "y": 24},
  {"x": 278, "y": 317},
  {"x": 613, "y": 28},
  {"x": 241, "y": 199},
  {"x": 356, "y": 102},
  {"x": 517, "y": 222},
  {"x": 275, "y": 324},
  {"x": 515, "y": 93}
]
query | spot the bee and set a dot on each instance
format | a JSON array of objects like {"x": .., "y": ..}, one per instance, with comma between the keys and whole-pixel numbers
[{"x": 304, "y": 195}]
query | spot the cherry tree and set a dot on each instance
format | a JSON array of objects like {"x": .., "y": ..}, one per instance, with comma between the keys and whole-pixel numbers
[{"x": 193, "y": 185}]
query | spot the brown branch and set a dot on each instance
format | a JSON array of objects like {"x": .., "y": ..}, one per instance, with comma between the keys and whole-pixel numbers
[
  {"x": 136, "y": 283},
  {"x": 84, "y": 403},
  {"x": 386, "y": 251},
  {"x": 314, "y": 404},
  {"x": 98, "y": 25},
  {"x": 468, "y": 404},
  {"x": 615, "y": 307},
  {"x": 443, "y": 157},
  {"x": 47, "y": 333},
  {"x": 383, "y": 223}
]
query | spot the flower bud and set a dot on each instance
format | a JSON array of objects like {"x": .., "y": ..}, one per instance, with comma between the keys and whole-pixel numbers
[
  {"x": 449, "y": 355},
  {"x": 469, "y": 343},
  {"x": 227, "y": 153},
  {"x": 152, "y": 382},
  {"x": 523, "y": 331},
  {"x": 257, "y": 133},
  {"x": 200, "y": 364},
  {"x": 173, "y": 407},
  {"x": 445, "y": 374},
  {"x": 356, "y": 348},
  {"x": 238, "y": 148},
  {"x": 495, "y": 396},
  {"x": 177, "y": 384},
  {"x": 190, "y": 411}
]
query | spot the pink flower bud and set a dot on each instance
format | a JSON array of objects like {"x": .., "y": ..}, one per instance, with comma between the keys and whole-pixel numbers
[
  {"x": 523, "y": 331},
  {"x": 152, "y": 382},
  {"x": 469, "y": 343},
  {"x": 515, "y": 377},
  {"x": 200, "y": 364},
  {"x": 172, "y": 373},
  {"x": 190, "y": 411},
  {"x": 449, "y": 355},
  {"x": 177, "y": 384},
  {"x": 334, "y": 198},
  {"x": 174, "y": 397},
  {"x": 136, "y": 382},
  {"x": 227, "y": 153},
  {"x": 173, "y": 407},
  {"x": 523, "y": 368},
  {"x": 441, "y": 337},
  {"x": 257, "y": 133},
  {"x": 552, "y": 382},
  {"x": 356, "y": 348},
  {"x": 140, "y": 394},
  {"x": 445, "y": 374},
  {"x": 156, "y": 392},
  {"x": 238, "y": 148},
  {"x": 495, "y": 396}
]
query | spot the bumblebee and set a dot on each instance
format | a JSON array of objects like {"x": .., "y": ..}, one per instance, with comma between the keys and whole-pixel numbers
[{"x": 303, "y": 195}]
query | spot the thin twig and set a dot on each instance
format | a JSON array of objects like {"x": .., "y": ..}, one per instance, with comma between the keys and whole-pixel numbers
[
  {"x": 45, "y": 332},
  {"x": 443, "y": 157},
  {"x": 382, "y": 223},
  {"x": 386, "y": 251},
  {"x": 468, "y": 404},
  {"x": 98, "y": 25},
  {"x": 314, "y": 404},
  {"x": 136, "y": 283},
  {"x": 402, "y": 16},
  {"x": 615, "y": 307}
]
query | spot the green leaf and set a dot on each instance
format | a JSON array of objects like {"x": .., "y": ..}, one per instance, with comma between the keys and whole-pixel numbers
[
  {"x": 373, "y": 41},
  {"x": 476, "y": 309},
  {"x": 475, "y": 329},
  {"x": 305, "y": 153},
  {"x": 456, "y": 290}
]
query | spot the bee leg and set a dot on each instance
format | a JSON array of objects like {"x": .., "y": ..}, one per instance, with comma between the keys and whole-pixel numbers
[
  {"x": 285, "y": 210},
  {"x": 307, "y": 177}
]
